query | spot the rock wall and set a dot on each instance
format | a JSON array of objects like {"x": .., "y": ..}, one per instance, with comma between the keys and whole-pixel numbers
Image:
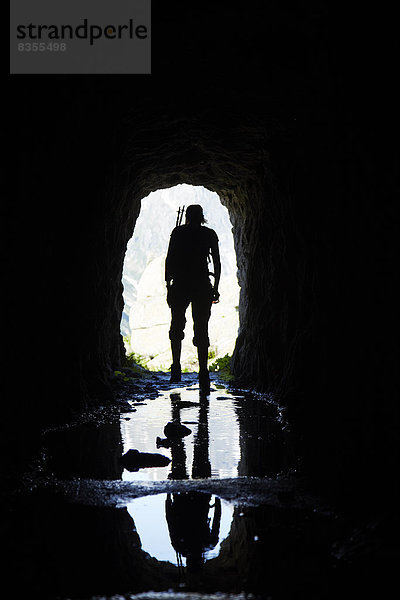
[{"x": 267, "y": 126}]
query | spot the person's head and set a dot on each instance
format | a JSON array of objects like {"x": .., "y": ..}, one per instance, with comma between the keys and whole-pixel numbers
[{"x": 194, "y": 215}]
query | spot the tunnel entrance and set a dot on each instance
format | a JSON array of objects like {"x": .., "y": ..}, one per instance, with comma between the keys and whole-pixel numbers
[{"x": 146, "y": 317}]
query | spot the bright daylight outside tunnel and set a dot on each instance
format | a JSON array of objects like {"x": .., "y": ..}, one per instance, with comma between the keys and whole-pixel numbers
[
  {"x": 146, "y": 316},
  {"x": 271, "y": 475}
]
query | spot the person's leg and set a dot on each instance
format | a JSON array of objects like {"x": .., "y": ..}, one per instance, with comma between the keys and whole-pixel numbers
[
  {"x": 176, "y": 347},
  {"x": 201, "y": 312},
  {"x": 204, "y": 377},
  {"x": 178, "y": 305},
  {"x": 176, "y": 334},
  {"x": 202, "y": 354}
]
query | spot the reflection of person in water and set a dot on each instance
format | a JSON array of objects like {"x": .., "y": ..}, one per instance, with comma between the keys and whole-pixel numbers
[
  {"x": 201, "y": 466},
  {"x": 187, "y": 279},
  {"x": 178, "y": 467},
  {"x": 191, "y": 531}
]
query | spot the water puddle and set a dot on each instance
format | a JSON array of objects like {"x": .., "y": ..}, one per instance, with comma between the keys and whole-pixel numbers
[
  {"x": 211, "y": 449},
  {"x": 184, "y": 536},
  {"x": 182, "y": 527},
  {"x": 226, "y": 435},
  {"x": 230, "y": 435}
]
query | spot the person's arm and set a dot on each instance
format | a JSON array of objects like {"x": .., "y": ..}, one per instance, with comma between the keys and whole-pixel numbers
[
  {"x": 167, "y": 271},
  {"x": 169, "y": 261},
  {"x": 217, "y": 267}
]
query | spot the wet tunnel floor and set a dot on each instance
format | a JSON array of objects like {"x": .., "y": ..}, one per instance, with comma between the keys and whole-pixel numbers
[{"x": 225, "y": 512}]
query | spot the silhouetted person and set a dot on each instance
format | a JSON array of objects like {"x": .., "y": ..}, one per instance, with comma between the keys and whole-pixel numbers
[{"x": 188, "y": 281}]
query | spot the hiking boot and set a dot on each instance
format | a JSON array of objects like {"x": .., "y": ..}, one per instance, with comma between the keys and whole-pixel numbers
[
  {"x": 204, "y": 381},
  {"x": 175, "y": 374}
]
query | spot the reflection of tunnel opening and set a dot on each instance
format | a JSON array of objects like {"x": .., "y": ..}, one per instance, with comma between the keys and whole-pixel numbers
[{"x": 146, "y": 316}]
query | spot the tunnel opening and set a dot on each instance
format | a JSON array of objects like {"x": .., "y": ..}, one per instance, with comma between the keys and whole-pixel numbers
[
  {"x": 263, "y": 354},
  {"x": 146, "y": 316}
]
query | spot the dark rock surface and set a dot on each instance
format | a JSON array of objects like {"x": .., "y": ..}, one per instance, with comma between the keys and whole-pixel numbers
[
  {"x": 174, "y": 430},
  {"x": 133, "y": 460},
  {"x": 277, "y": 125}
]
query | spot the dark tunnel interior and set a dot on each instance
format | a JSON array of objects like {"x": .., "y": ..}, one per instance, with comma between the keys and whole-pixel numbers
[{"x": 271, "y": 115}]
